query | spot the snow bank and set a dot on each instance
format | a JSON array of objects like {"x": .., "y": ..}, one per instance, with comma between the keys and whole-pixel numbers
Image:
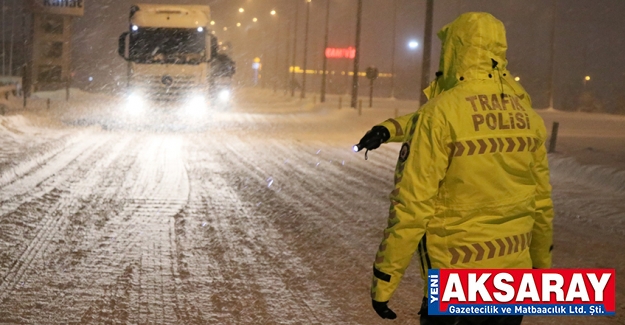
[
  {"x": 74, "y": 94},
  {"x": 23, "y": 127},
  {"x": 265, "y": 101},
  {"x": 610, "y": 179}
]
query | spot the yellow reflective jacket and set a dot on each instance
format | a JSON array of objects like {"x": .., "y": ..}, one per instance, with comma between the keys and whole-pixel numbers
[{"x": 472, "y": 180}]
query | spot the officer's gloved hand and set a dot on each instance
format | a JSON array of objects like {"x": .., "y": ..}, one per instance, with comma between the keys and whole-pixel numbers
[
  {"x": 374, "y": 138},
  {"x": 382, "y": 309}
]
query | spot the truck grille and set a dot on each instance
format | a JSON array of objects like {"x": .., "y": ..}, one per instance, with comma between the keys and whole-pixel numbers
[{"x": 165, "y": 87}]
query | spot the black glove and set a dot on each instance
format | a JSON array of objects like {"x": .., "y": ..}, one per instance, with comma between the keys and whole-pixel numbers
[
  {"x": 374, "y": 138},
  {"x": 382, "y": 309}
]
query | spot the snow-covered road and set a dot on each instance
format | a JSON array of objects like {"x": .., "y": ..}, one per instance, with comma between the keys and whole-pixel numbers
[{"x": 265, "y": 216}]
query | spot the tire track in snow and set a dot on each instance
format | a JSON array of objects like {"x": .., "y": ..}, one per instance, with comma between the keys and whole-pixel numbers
[
  {"x": 222, "y": 283},
  {"x": 310, "y": 210},
  {"x": 295, "y": 291},
  {"x": 144, "y": 239},
  {"x": 51, "y": 173},
  {"x": 62, "y": 202},
  {"x": 245, "y": 257},
  {"x": 30, "y": 160}
]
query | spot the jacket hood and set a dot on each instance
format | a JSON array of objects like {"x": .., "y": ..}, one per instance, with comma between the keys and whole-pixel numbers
[{"x": 473, "y": 47}]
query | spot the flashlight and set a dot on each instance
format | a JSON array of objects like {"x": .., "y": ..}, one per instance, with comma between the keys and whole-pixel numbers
[{"x": 357, "y": 148}]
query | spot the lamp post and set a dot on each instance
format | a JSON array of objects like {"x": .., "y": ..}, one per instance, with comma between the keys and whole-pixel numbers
[
  {"x": 287, "y": 57},
  {"x": 553, "y": 51},
  {"x": 325, "y": 59},
  {"x": 393, "y": 49},
  {"x": 427, "y": 49},
  {"x": 277, "y": 51},
  {"x": 3, "y": 51},
  {"x": 357, "y": 56},
  {"x": 294, "y": 49},
  {"x": 586, "y": 97},
  {"x": 13, "y": 14},
  {"x": 303, "y": 95}
]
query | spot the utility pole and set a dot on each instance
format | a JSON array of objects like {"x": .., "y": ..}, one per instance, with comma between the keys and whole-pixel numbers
[
  {"x": 325, "y": 59},
  {"x": 27, "y": 77},
  {"x": 427, "y": 50},
  {"x": 277, "y": 63},
  {"x": 553, "y": 53},
  {"x": 13, "y": 14},
  {"x": 393, "y": 49},
  {"x": 357, "y": 56},
  {"x": 3, "y": 45},
  {"x": 303, "y": 95},
  {"x": 287, "y": 57},
  {"x": 294, "y": 48}
]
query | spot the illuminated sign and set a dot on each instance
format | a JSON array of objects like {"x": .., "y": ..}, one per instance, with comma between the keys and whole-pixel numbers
[
  {"x": 60, "y": 7},
  {"x": 340, "y": 53}
]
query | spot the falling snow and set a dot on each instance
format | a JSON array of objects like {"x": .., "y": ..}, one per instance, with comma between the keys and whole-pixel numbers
[{"x": 104, "y": 222}]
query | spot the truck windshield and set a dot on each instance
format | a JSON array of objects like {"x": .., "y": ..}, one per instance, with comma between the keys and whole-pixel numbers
[{"x": 167, "y": 45}]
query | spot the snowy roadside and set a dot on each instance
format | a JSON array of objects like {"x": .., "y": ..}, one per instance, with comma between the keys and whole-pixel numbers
[
  {"x": 31, "y": 136},
  {"x": 590, "y": 146},
  {"x": 261, "y": 188}
]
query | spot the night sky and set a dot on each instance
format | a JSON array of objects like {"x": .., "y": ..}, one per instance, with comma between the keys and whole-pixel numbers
[{"x": 589, "y": 41}]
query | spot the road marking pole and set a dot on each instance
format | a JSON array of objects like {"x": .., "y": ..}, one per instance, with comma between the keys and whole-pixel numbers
[{"x": 554, "y": 137}]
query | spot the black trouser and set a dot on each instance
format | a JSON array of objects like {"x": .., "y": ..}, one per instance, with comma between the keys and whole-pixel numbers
[{"x": 465, "y": 320}]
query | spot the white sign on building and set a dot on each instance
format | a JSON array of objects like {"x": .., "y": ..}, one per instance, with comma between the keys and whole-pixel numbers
[{"x": 60, "y": 7}]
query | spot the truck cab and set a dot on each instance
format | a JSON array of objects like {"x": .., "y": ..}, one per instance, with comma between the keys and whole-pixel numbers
[{"x": 170, "y": 53}]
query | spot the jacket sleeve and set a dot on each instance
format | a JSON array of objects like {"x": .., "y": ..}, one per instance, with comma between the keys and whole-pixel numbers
[
  {"x": 397, "y": 127},
  {"x": 542, "y": 233},
  {"x": 417, "y": 176}
]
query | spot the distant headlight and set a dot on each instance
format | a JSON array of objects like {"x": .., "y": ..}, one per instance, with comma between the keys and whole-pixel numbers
[
  {"x": 224, "y": 95},
  {"x": 135, "y": 104}
]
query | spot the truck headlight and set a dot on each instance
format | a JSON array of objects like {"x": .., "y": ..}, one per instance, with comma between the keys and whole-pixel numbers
[
  {"x": 224, "y": 95},
  {"x": 135, "y": 104},
  {"x": 197, "y": 101}
]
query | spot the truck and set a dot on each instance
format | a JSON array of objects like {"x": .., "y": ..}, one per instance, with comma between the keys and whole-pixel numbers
[{"x": 172, "y": 56}]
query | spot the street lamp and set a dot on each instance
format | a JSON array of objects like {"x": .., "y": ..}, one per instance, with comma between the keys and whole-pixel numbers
[
  {"x": 294, "y": 48},
  {"x": 238, "y": 24},
  {"x": 254, "y": 19},
  {"x": 393, "y": 49},
  {"x": 427, "y": 49},
  {"x": 354, "y": 100},
  {"x": 517, "y": 78},
  {"x": 303, "y": 95},
  {"x": 212, "y": 22},
  {"x": 276, "y": 55},
  {"x": 241, "y": 10},
  {"x": 587, "y": 78},
  {"x": 325, "y": 59},
  {"x": 413, "y": 45}
]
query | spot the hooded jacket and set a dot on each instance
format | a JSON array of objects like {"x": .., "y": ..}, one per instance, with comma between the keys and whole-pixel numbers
[{"x": 472, "y": 180}]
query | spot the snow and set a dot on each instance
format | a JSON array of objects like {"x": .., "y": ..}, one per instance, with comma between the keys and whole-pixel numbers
[{"x": 261, "y": 215}]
